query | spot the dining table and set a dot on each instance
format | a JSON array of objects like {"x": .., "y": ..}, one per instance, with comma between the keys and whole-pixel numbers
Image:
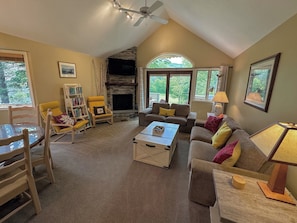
[{"x": 36, "y": 135}]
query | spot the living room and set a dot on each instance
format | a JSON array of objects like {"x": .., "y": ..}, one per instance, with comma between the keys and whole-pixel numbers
[{"x": 44, "y": 69}]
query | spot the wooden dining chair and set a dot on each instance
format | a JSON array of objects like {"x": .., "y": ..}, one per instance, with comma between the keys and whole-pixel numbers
[
  {"x": 23, "y": 115},
  {"x": 41, "y": 155},
  {"x": 16, "y": 177}
]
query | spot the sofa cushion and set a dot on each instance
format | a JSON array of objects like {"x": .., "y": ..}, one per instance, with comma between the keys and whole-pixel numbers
[
  {"x": 153, "y": 117},
  {"x": 176, "y": 120},
  {"x": 201, "y": 150},
  {"x": 251, "y": 157},
  {"x": 166, "y": 112},
  {"x": 221, "y": 136},
  {"x": 233, "y": 125},
  {"x": 212, "y": 123},
  {"x": 201, "y": 134},
  {"x": 228, "y": 155},
  {"x": 182, "y": 110},
  {"x": 156, "y": 107}
]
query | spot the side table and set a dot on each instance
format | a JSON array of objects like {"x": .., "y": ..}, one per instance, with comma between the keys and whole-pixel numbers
[{"x": 248, "y": 204}]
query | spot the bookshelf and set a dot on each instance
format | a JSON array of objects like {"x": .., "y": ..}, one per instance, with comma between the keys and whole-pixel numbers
[{"x": 75, "y": 104}]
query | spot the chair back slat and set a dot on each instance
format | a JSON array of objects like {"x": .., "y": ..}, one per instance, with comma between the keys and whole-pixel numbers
[{"x": 23, "y": 115}]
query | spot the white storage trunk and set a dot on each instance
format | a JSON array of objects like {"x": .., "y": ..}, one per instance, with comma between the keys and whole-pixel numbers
[{"x": 156, "y": 150}]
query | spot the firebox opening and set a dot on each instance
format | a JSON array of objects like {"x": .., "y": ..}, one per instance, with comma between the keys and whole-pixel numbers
[{"x": 122, "y": 102}]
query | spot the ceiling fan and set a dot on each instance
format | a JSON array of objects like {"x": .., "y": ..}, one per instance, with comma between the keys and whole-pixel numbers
[{"x": 146, "y": 12}]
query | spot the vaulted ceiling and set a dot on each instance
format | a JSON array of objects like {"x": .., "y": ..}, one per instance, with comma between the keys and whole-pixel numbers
[{"x": 94, "y": 27}]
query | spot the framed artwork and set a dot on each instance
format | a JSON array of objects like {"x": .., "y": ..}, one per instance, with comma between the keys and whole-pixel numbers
[
  {"x": 260, "y": 83},
  {"x": 67, "y": 69}
]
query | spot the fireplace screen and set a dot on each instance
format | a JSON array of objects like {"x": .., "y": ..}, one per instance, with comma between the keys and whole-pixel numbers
[{"x": 122, "y": 102}]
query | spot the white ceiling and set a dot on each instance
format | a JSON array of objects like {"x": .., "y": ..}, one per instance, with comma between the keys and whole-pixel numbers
[{"x": 96, "y": 28}]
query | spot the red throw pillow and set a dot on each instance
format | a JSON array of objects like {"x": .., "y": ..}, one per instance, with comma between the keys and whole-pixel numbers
[
  {"x": 212, "y": 123},
  {"x": 227, "y": 152},
  {"x": 64, "y": 119}
]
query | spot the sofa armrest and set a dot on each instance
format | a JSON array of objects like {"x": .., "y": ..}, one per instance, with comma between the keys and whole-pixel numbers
[
  {"x": 146, "y": 111},
  {"x": 201, "y": 184},
  {"x": 142, "y": 114},
  {"x": 191, "y": 118}
]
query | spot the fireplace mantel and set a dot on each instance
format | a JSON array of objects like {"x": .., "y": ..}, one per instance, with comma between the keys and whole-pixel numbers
[{"x": 119, "y": 84}]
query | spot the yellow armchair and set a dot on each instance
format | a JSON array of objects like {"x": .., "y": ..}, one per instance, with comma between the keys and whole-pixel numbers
[
  {"x": 99, "y": 111},
  {"x": 59, "y": 128}
]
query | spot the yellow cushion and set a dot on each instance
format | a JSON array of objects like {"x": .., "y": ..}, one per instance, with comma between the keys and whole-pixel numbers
[
  {"x": 235, "y": 156},
  {"x": 221, "y": 136},
  {"x": 166, "y": 112}
]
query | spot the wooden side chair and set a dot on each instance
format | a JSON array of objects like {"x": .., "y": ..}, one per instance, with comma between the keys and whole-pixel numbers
[
  {"x": 41, "y": 155},
  {"x": 23, "y": 115},
  {"x": 59, "y": 127},
  {"x": 16, "y": 177},
  {"x": 99, "y": 111}
]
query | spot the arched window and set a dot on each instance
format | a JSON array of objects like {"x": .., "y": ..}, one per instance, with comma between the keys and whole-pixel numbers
[
  {"x": 172, "y": 86},
  {"x": 170, "y": 61}
]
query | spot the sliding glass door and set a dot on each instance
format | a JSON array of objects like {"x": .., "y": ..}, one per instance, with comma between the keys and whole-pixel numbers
[{"x": 168, "y": 86}]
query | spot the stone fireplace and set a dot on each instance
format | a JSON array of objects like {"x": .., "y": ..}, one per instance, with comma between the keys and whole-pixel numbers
[{"x": 121, "y": 90}]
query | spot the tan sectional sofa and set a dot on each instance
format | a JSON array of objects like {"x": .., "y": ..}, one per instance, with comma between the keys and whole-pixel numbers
[
  {"x": 182, "y": 116},
  {"x": 200, "y": 161}
]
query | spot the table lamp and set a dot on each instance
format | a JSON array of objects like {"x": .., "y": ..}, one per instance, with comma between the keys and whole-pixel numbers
[
  {"x": 278, "y": 142},
  {"x": 219, "y": 98}
]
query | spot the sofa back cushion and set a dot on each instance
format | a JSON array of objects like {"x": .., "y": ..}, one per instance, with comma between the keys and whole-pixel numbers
[
  {"x": 156, "y": 107},
  {"x": 251, "y": 158},
  {"x": 182, "y": 110},
  {"x": 231, "y": 123}
]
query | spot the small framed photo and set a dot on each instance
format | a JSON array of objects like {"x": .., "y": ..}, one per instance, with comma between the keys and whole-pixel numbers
[{"x": 67, "y": 69}]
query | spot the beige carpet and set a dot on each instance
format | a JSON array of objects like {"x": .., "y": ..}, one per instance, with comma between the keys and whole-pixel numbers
[{"x": 98, "y": 181}]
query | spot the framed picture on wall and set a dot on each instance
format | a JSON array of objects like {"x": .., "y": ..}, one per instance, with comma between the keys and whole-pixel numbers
[
  {"x": 260, "y": 83},
  {"x": 67, "y": 69}
]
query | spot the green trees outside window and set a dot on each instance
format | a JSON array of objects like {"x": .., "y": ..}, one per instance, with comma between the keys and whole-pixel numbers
[{"x": 14, "y": 81}]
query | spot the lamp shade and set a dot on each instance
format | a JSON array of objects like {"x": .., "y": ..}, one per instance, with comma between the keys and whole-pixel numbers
[
  {"x": 220, "y": 97},
  {"x": 278, "y": 142}
]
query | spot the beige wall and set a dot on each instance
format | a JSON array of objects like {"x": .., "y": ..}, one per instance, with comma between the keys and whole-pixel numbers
[
  {"x": 43, "y": 61},
  {"x": 173, "y": 38},
  {"x": 282, "y": 105}
]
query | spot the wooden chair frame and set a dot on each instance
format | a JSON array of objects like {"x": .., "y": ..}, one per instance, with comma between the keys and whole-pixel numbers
[
  {"x": 16, "y": 177},
  {"x": 41, "y": 155},
  {"x": 23, "y": 115},
  {"x": 58, "y": 128},
  {"x": 98, "y": 101}
]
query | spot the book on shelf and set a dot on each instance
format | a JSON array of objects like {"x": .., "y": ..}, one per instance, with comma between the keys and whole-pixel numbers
[
  {"x": 72, "y": 90},
  {"x": 79, "y": 90}
]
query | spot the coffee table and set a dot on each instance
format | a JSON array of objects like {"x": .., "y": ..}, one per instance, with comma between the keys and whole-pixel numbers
[{"x": 156, "y": 150}]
